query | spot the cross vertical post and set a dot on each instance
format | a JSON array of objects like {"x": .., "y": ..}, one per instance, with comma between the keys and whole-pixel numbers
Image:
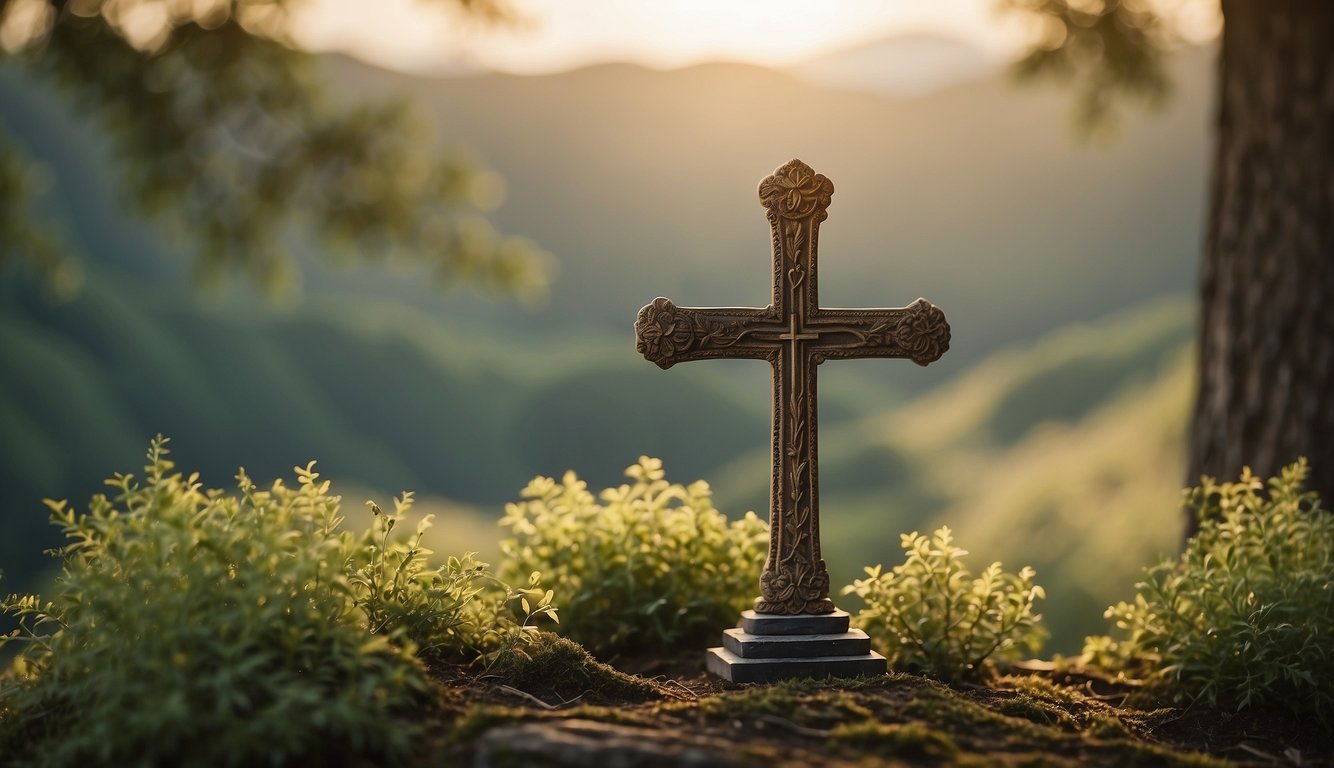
[{"x": 795, "y": 335}]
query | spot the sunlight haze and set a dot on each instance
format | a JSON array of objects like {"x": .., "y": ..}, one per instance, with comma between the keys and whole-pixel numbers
[{"x": 413, "y": 36}]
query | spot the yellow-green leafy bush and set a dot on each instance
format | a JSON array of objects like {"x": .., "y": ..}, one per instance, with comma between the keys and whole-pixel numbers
[
  {"x": 1245, "y": 615},
  {"x": 929, "y": 614},
  {"x": 457, "y": 611},
  {"x": 654, "y": 565},
  {"x": 196, "y": 627}
]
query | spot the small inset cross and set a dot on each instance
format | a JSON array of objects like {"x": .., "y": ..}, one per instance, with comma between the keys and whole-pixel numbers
[{"x": 795, "y": 335}]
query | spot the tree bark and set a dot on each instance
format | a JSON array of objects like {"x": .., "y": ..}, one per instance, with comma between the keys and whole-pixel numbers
[{"x": 1266, "y": 352}]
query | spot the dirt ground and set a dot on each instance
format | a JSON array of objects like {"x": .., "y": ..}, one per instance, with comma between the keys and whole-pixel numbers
[{"x": 561, "y": 708}]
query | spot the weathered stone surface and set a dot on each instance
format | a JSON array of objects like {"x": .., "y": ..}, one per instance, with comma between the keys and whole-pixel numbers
[
  {"x": 580, "y": 743},
  {"x": 748, "y": 646},
  {"x": 736, "y": 669},
  {"x": 798, "y": 624}
]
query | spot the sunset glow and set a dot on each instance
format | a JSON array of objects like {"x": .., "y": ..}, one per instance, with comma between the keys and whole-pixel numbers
[{"x": 557, "y": 35}]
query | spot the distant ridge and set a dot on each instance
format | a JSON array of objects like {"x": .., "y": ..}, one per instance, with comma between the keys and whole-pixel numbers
[
  {"x": 900, "y": 66},
  {"x": 641, "y": 181},
  {"x": 896, "y": 66}
]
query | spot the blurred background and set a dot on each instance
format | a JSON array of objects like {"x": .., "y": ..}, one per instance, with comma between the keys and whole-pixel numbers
[{"x": 214, "y": 267}]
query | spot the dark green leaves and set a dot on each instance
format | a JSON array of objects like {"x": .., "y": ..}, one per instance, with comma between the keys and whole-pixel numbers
[
  {"x": 226, "y": 137},
  {"x": 25, "y": 242},
  {"x": 1108, "y": 50}
]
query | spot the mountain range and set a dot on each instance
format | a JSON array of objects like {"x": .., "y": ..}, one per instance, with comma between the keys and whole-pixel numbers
[
  {"x": 900, "y": 66},
  {"x": 642, "y": 183}
]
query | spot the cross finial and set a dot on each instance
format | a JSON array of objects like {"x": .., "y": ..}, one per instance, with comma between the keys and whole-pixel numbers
[{"x": 796, "y": 191}]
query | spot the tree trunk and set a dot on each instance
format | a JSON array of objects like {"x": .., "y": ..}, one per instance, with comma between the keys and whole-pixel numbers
[{"x": 1266, "y": 365}]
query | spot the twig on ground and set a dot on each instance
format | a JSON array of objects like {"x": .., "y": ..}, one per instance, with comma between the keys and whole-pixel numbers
[
  {"x": 1243, "y": 746},
  {"x": 1179, "y": 715},
  {"x": 693, "y": 696},
  {"x": 567, "y": 702},
  {"x": 665, "y": 684},
  {"x": 524, "y": 694},
  {"x": 1117, "y": 697}
]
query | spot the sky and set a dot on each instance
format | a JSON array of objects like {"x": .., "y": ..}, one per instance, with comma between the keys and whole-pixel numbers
[{"x": 414, "y": 35}]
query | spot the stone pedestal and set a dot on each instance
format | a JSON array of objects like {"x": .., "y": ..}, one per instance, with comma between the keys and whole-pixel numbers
[{"x": 769, "y": 647}]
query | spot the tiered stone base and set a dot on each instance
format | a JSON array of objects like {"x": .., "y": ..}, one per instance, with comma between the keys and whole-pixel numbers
[{"x": 770, "y": 647}]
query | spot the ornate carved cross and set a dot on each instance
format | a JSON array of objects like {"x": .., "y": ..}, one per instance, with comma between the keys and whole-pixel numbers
[{"x": 795, "y": 335}]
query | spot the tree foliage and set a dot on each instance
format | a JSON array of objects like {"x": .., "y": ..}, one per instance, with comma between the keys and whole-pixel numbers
[
  {"x": 227, "y": 137},
  {"x": 22, "y": 239},
  {"x": 1109, "y": 51}
]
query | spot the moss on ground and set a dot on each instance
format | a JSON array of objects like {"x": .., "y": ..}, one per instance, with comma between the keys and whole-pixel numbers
[
  {"x": 909, "y": 740},
  {"x": 557, "y": 670},
  {"x": 1015, "y": 720}
]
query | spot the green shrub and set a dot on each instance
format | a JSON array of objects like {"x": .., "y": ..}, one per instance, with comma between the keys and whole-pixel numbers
[
  {"x": 930, "y": 615},
  {"x": 654, "y": 566},
  {"x": 456, "y": 612},
  {"x": 1246, "y": 614},
  {"x": 195, "y": 627}
]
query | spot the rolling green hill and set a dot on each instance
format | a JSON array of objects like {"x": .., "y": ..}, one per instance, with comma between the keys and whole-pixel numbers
[{"x": 381, "y": 396}]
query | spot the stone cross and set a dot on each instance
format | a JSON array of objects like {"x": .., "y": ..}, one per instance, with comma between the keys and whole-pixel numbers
[{"x": 795, "y": 334}]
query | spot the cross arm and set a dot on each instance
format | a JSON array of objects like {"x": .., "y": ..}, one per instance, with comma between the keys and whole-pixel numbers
[
  {"x": 666, "y": 334},
  {"x": 918, "y": 332}
]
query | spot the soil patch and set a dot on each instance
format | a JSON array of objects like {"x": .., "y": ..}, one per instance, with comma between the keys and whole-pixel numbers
[{"x": 562, "y": 708}]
